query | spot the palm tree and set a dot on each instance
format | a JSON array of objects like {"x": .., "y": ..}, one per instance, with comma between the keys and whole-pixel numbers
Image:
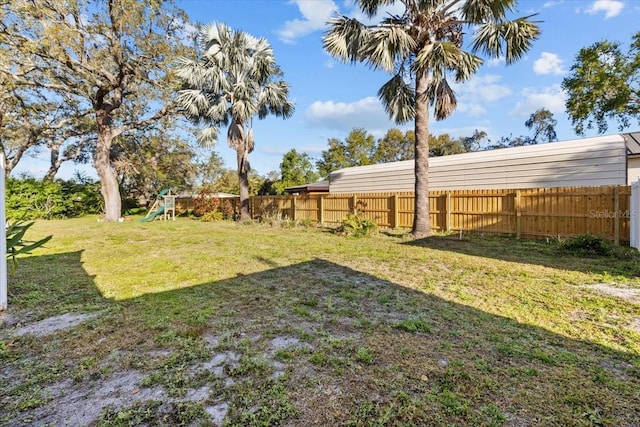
[
  {"x": 422, "y": 48},
  {"x": 234, "y": 79}
]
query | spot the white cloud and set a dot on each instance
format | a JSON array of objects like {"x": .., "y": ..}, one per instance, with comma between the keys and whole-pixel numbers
[
  {"x": 552, "y": 98},
  {"x": 482, "y": 88},
  {"x": 552, "y": 3},
  {"x": 472, "y": 110},
  {"x": 366, "y": 113},
  {"x": 495, "y": 62},
  {"x": 315, "y": 14},
  {"x": 548, "y": 63},
  {"x": 610, "y": 8}
]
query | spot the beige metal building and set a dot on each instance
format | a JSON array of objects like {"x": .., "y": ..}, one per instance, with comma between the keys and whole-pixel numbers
[{"x": 603, "y": 160}]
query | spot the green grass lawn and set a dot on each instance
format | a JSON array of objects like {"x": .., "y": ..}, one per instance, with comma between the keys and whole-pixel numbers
[{"x": 192, "y": 323}]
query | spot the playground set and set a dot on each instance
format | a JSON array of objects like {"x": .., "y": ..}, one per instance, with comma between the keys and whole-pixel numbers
[{"x": 164, "y": 207}]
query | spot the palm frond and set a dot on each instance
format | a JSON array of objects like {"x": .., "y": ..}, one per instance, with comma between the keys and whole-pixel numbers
[
  {"x": 243, "y": 108},
  {"x": 235, "y": 134},
  {"x": 372, "y": 7},
  {"x": 479, "y": 11},
  {"x": 444, "y": 57},
  {"x": 213, "y": 37},
  {"x": 193, "y": 101},
  {"x": 344, "y": 38},
  {"x": 511, "y": 38},
  {"x": 398, "y": 99},
  {"x": 249, "y": 140},
  {"x": 468, "y": 64},
  {"x": 188, "y": 71},
  {"x": 387, "y": 46},
  {"x": 519, "y": 36},
  {"x": 273, "y": 98},
  {"x": 218, "y": 109},
  {"x": 438, "y": 56},
  {"x": 208, "y": 136},
  {"x": 445, "y": 100}
]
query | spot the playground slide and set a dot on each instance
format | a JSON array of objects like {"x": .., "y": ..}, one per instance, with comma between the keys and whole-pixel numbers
[{"x": 153, "y": 214}]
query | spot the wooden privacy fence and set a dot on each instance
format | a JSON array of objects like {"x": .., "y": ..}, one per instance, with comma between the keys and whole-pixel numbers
[{"x": 542, "y": 212}]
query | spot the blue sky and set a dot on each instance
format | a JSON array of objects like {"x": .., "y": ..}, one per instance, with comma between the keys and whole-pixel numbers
[{"x": 332, "y": 98}]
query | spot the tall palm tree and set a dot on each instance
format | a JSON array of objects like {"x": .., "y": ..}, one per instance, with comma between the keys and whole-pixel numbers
[
  {"x": 422, "y": 48},
  {"x": 234, "y": 78}
]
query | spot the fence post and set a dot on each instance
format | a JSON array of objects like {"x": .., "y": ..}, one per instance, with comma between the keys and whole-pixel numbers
[
  {"x": 448, "y": 212},
  {"x": 321, "y": 206},
  {"x": 516, "y": 205},
  {"x": 394, "y": 219},
  {"x": 354, "y": 206},
  {"x": 616, "y": 217},
  {"x": 293, "y": 209}
]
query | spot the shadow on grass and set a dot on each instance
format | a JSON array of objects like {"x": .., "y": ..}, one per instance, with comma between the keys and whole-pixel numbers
[
  {"x": 624, "y": 261},
  {"x": 53, "y": 284},
  {"x": 375, "y": 353}
]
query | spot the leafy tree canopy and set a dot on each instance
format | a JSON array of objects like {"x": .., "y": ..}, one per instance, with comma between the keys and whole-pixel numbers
[
  {"x": 541, "y": 123},
  {"x": 604, "y": 86},
  {"x": 108, "y": 59},
  {"x": 357, "y": 149},
  {"x": 395, "y": 146},
  {"x": 147, "y": 162},
  {"x": 295, "y": 169}
]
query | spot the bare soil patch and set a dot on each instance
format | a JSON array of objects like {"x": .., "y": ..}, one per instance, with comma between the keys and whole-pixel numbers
[
  {"x": 49, "y": 325},
  {"x": 629, "y": 294}
]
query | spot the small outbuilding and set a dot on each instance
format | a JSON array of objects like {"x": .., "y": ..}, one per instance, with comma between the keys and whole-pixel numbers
[
  {"x": 316, "y": 187},
  {"x": 597, "y": 161}
]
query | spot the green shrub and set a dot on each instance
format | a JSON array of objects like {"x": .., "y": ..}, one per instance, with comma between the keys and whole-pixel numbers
[
  {"x": 212, "y": 216},
  {"x": 30, "y": 198},
  {"x": 356, "y": 226},
  {"x": 587, "y": 244}
]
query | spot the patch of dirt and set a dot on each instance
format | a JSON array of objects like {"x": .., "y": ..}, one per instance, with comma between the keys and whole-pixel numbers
[
  {"x": 635, "y": 325},
  {"x": 217, "y": 363},
  {"x": 616, "y": 368},
  {"x": 9, "y": 319},
  {"x": 81, "y": 404},
  {"x": 279, "y": 343},
  {"x": 52, "y": 324},
  {"x": 217, "y": 413},
  {"x": 578, "y": 315},
  {"x": 628, "y": 294}
]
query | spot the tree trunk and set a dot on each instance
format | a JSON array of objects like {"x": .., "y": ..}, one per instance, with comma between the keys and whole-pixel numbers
[
  {"x": 421, "y": 219},
  {"x": 54, "y": 165},
  {"x": 102, "y": 162},
  {"x": 243, "y": 176},
  {"x": 7, "y": 167}
]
